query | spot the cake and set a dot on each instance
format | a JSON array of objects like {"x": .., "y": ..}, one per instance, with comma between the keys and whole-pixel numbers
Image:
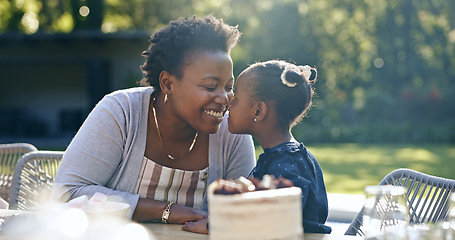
[{"x": 246, "y": 213}]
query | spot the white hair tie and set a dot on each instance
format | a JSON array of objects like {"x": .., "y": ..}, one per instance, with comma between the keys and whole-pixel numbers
[
  {"x": 305, "y": 71},
  {"x": 283, "y": 76}
]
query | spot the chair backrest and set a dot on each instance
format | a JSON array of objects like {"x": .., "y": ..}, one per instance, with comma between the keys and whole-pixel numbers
[
  {"x": 33, "y": 178},
  {"x": 9, "y": 154},
  {"x": 427, "y": 197}
]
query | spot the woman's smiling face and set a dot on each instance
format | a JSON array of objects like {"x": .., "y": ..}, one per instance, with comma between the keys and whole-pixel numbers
[{"x": 201, "y": 96}]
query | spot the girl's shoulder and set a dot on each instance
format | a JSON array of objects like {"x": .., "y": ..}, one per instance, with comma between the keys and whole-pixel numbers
[{"x": 290, "y": 152}]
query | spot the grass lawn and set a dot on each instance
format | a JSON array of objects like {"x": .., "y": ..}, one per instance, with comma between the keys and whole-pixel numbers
[{"x": 348, "y": 168}]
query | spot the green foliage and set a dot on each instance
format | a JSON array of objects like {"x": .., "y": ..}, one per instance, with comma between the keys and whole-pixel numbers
[
  {"x": 384, "y": 67},
  {"x": 376, "y": 132}
]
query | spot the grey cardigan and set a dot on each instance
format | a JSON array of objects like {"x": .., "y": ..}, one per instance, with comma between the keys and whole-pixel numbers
[{"x": 107, "y": 153}]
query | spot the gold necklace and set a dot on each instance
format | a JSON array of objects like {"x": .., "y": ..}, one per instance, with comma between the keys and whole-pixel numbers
[{"x": 161, "y": 140}]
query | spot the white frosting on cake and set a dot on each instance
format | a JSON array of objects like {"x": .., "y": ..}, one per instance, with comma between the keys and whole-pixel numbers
[{"x": 261, "y": 215}]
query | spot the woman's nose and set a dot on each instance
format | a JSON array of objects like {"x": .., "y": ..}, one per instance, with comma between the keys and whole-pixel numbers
[{"x": 223, "y": 97}]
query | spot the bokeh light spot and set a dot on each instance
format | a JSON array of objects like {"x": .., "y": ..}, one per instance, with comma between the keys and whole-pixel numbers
[
  {"x": 73, "y": 223},
  {"x": 336, "y": 132},
  {"x": 84, "y": 11},
  {"x": 378, "y": 63},
  {"x": 30, "y": 22}
]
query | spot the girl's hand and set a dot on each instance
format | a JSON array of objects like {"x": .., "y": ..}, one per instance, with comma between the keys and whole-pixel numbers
[
  {"x": 181, "y": 214},
  {"x": 197, "y": 227}
]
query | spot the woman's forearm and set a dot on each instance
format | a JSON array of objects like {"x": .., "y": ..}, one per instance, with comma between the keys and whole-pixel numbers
[
  {"x": 152, "y": 210},
  {"x": 148, "y": 210}
]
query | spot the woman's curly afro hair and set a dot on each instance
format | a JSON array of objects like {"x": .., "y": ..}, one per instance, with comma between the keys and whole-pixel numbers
[{"x": 172, "y": 45}]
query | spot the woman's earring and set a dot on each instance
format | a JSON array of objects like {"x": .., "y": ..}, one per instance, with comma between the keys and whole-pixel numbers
[
  {"x": 165, "y": 98},
  {"x": 255, "y": 120}
]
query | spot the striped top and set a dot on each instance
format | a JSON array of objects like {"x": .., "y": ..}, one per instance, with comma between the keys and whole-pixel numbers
[{"x": 168, "y": 184}]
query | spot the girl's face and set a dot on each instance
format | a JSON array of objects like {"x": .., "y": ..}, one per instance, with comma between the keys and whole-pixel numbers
[
  {"x": 241, "y": 108},
  {"x": 201, "y": 96}
]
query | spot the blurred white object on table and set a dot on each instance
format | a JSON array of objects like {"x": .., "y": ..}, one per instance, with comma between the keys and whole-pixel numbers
[
  {"x": 99, "y": 205},
  {"x": 84, "y": 218}
]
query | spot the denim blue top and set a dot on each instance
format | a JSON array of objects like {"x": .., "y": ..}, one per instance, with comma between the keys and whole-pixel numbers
[{"x": 293, "y": 161}]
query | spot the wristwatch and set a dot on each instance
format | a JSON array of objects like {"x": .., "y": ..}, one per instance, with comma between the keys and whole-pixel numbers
[{"x": 166, "y": 212}]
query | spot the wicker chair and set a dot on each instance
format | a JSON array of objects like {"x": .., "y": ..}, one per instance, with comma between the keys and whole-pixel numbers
[
  {"x": 9, "y": 154},
  {"x": 33, "y": 178},
  {"x": 427, "y": 197}
]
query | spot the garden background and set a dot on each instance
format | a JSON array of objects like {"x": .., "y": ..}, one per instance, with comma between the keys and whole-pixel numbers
[{"x": 386, "y": 69}]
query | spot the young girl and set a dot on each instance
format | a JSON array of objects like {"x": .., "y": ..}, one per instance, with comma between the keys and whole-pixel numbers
[{"x": 270, "y": 98}]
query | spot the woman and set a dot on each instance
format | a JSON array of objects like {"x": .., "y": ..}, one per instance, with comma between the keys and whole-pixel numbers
[{"x": 160, "y": 146}]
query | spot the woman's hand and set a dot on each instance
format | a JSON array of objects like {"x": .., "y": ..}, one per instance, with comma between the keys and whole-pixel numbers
[
  {"x": 152, "y": 210},
  {"x": 197, "y": 227},
  {"x": 181, "y": 214}
]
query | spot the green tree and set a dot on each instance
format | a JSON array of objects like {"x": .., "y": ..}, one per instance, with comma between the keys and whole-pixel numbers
[{"x": 386, "y": 68}]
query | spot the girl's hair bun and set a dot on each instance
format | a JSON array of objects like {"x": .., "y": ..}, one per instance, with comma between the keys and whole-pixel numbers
[
  {"x": 313, "y": 75},
  {"x": 306, "y": 72},
  {"x": 286, "y": 79}
]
